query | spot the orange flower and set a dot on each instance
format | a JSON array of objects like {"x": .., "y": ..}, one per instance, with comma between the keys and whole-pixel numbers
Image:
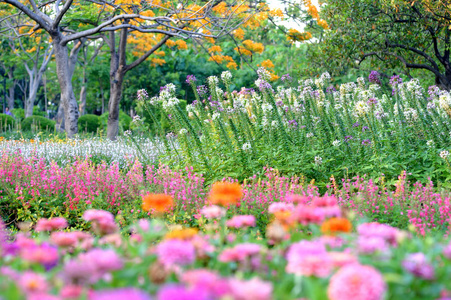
[
  {"x": 225, "y": 193},
  {"x": 181, "y": 234},
  {"x": 158, "y": 202},
  {"x": 284, "y": 218},
  {"x": 336, "y": 225}
]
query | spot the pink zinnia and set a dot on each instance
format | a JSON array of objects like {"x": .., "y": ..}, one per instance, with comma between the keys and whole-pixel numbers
[
  {"x": 44, "y": 254},
  {"x": 308, "y": 215},
  {"x": 280, "y": 207},
  {"x": 213, "y": 212},
  {"x": 240, "y": 252},
  {"x": 309, "y": 258},
  {"x": 102, "y": 221},
  {"x": 418, "y": 265},
  {"x": 208, "y": 280},
  {"x": 51, "y": 224},
  {"x": 64, "y": 239},
  {"x": 179, "y": 292},
  {"x": 32, "y": 283},
  {"x": 356, "y": 282},
  {"x": 241, "y": 221},
  {"x": 374, "y": 229},
  {"x": 251, "y": 289},
  {"x": 119, "y": 294},
  {"x": 176, "y": 252}
]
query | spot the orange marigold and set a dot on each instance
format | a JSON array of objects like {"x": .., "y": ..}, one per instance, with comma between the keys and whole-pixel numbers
[
  {"x": 225, "y": 193},
  {"x": 336, "y": 225},
  {"x": 181, "y": 234},
  {"x": 157, "y": 202}
]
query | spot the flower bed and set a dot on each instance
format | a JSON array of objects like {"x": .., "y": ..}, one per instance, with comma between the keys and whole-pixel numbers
[{"x": 310, "y": 250}]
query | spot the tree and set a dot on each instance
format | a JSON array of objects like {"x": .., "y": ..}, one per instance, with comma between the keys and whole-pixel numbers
[
  {"x": 67, "y": 21},
  {"x": 414, "y": 35}
]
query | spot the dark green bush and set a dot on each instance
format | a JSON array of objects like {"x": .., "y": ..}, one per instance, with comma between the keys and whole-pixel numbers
[
  {"x": 88, "y": 123},
  {"x": 38, "y": 122},
  {"x": 38, "y": 112},
  {"x": 124, "y": 120},
  {"x": 6, "y": 122}
]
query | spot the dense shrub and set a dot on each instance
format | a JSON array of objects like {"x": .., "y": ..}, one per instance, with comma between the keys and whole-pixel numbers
[
  {"x": 38, "y": 122},
  {"x": 88, "y": 123},
  {"x": 19, "y": 113},
  {"x": 124, "y": 120},
  {"x": 38, "y": 112},
  {"x": 6, "y": 121}
]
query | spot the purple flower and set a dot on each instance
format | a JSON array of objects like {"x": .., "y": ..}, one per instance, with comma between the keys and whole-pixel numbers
[
  {"x": 357, "y": 124},
  {"x": 366, "y": 142},
  {"x": 286, "y": 77},
  {"x": 202, "y": 90},
  {"x": 348, "y": 138},
  {"x": 374, "y": 77},
  {"x": 191, "y": 79},
  {"x": 372, "y": 101},
  {"x": 365, "y": 128},
  {"x": 142, "y": 95},
  {"x": 417, "y": 264},
  {"x": 330, "y": 89},
  {"x": 395, "y": 80}
]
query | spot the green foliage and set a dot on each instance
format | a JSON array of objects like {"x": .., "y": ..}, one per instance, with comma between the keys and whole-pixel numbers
[
  {"x": 38, "y": 112},
  {"x": 38, "y": 123},
  {"x": 19, "y": 113},
  {"x": 6, "y": 122},
  {"x": 88, "y": 123}
]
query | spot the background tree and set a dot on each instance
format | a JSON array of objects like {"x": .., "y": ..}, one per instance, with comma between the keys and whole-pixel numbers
[{"x": 390, "y": 35}]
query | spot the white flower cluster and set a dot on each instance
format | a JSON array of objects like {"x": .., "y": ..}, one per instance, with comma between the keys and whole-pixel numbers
[
  {"x": 444, "y": 154},
  {"x": 226, "y": 76}
]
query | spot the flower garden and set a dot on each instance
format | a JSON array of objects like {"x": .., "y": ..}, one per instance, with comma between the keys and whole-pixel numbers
[{"x": 304, "y": 191}]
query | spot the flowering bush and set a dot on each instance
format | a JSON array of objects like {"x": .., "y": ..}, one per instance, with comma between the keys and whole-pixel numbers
[
  {"x": 310, "y": 127},
  {"x": 225, "y": 258}
]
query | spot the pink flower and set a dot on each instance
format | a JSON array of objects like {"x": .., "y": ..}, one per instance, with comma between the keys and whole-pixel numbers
[
  {"x": 418, "y": 265},
  {"x": 176, "y": 252},
  {"x": 308, "y": 215},
  {"x": 251, "y": 289},
  {"x": 356, "y": 282},
  {"x": 240, "y": 252},
  {"x": 213, "y": 212},
  {"x": 179, "y": 292},
  {"x": 371, "y": 244},
  {"x": 447, "y": 251},
  {"x": 208, "y": 280},
  {"x": 119, "y": 294},
  {"x": 71, "y": 291},
  {"x": 340, "y": 259},
  {"x": 384, "y": 231},
  {"x": 64, "y": 239},
  {"x": 280, "y": 207},
  {"x": 32, "y": 283},
  {"x": 309, "y": 258},
  {"x": 102, "y": 221},
  {"x": 325, "y": 201},
  {"x": 44, "y": 254},
  {"x": 241, "y": 221},
  {"x": 51, "y": 224}
]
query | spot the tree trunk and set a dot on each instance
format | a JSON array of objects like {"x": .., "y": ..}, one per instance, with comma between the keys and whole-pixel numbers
[
  {"x": 11, "y": 90},
  {"x": 35, "y": 80},
  {"x": 60, "y": 117},
  {"x": 67, "y": 93},
  {"x": 113, "y": 104},
  {"x": 83, "y": 93}
]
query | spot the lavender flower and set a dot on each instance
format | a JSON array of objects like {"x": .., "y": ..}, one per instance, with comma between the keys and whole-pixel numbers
[
  {"x": 202, "y": 90},
  {"x": 286, "y": 77},
  {"x": 366, "y": 142},
  {"x": 417, "y": 264},
  {"x": 374, "y": 77},
  {"x": 191, "y": 79},
  {"x": 142, "y": 95}
]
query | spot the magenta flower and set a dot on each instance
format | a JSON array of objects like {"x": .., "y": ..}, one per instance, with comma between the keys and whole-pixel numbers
[
  {"x": 208, "y": 280},
  {"x": 276, "y": 207},
  {"x": 51, "y": 224},
  {"x": 241, "y": 221},
  {"x": 309, "y": 258},
  {"x": 179, "y": 292},
  {"x": 64, "y": 239},
  {"x": 371, "y": 245},
  {"x": 384, "y": 231},
  {"x": 356, "y": 282},
  {"x": 176, "y": 252},
  {"x": 418, "y": 265},
  {"x": 240, "y": 252},
  {"x": 44, "y": 254},
  {"x": 251, "y": 289},
  {"x": 120, "y": 294}
]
